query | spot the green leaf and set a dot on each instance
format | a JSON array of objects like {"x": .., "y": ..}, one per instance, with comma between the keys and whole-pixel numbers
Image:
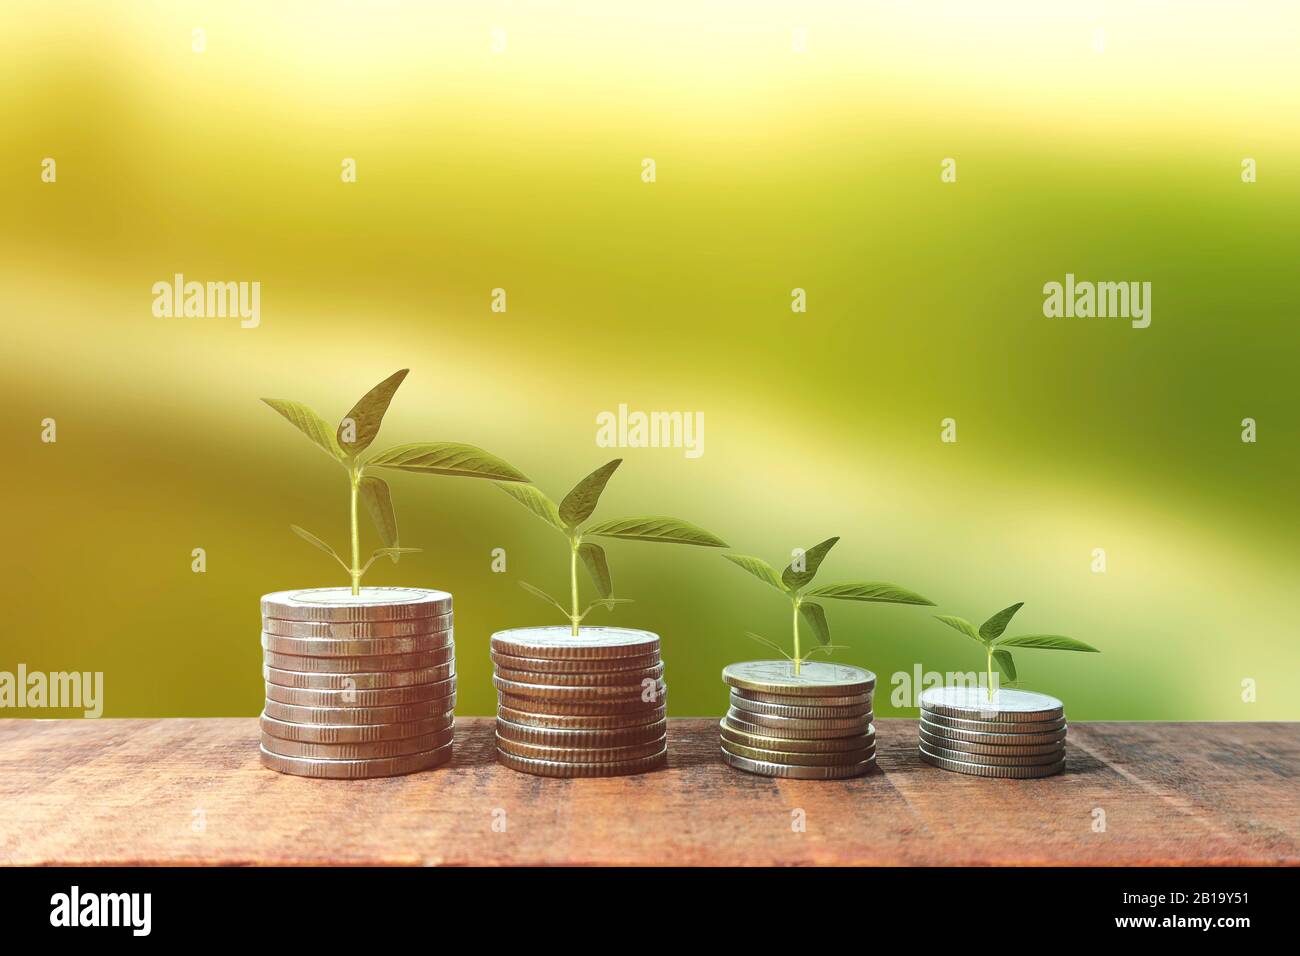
[
  {"x": 593, "y": 556},
  {"x": 812, "y": 560},
  {"x": 815, "y": 615},
  {"x": 379, "y": 504},
  {"x": 538, "y": 592},
  {"x": 536, "y": 502},
  {"x": 309, "y": 423},
  {"x": 1046, "y": 642},
  {"x": 447, "y": 458},
  {"x": 608, "y": 604},
  {"x": 828, "y": 648},
  {"x": 1005, "y": 664},
  {"x": 318, "y": 543},
  {"x": 579, "y": 503},
  {"x": 668, "y": 530},
  {"x": 995, "y": 625},
  {"x": 876, "y": 591},
  {"x": 758, "y": 568},
  {"x": 772, "y": 644},
  {"x": 367, "y": 414},
  {"x": 960, "y": 624}
]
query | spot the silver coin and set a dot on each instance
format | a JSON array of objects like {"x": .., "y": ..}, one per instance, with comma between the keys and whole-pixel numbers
[
  {"x": 995, "y": 760},
  {"x": 574, "y": 665},
  {"x": 340, "y": 604},
  {"x": 822, "y": 700},
  {"x": 353, "y": 733},
  {"x": 766, "y": 769},
  {"x": 581, "y": 708},
  {"x": 786, "y": 758},
  {"x": 585, "y": 754},
  {"x": 357, "y": 630},
  {"x": 791, "y": 710},
  {"x": 581, "y": 738},
  {"x": 314, "y": 647},
  {"x": 994, "y": 727},
  {"x": 399, "y": 714},
  {"x": 936, "y": 741},
  {"x": 555, "y": 768},
  {"x": 371, "y": 681},
  {"x": 807, "y": 729},
  {"x": 355, "y": 769},
  {"x": 351, "y": 697},
  {"x": 559, "y": 642},
  {"x": 1007, "y": 706},
  {"x": 580, "y": 721},
  {"x": 731, "y": 732},
  {"x": 991, "y": 738},
  {"x": 792, "y": 726},
  {"x": 357, "y": 665},
  {"x": 557, "y": 692},
  {"x": 624, "y": 678},
  {"x": 815, "y": 678},
  {"x": 367, "y": 751},
  {"x": 983, "y": 770}
]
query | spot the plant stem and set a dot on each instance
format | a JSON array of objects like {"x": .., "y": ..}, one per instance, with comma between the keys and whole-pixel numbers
[
  {"x": 798, "y": 660},
  {"x": 990, "y": 666},
  {"x": 575, "y": 617},
  {"x": 355, "y": 477}
]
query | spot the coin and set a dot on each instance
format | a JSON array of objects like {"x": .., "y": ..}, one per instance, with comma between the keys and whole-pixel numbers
[
  {"x": 356, "y": 769},
  {"x": 991, "y": 739},
  {"x": 366, "y": 751},
  {"x": 842, "y": 700},
  {"x": 790, "y": 726},
  {"x": 559, "y": 642},
  {"x": 790, "y": 710},
  {"x": 994, "y": 727},
  {"x": 357, "y": 665},
  {"x": 399, "y": 714},
  {"x": 767, "y": 769},
  {"x": 555, "y": 768},
  {"x": 558, "y": 692},
  {"x": 548, "y": 737},
  {"x": 574, "y": 665},
  {"x": 983, "y": 770},
  {"x": 340, "y": 604},
  {"x": 973, "y": 747},
  {"x": 351, "y": 697},
  {"x": 580, "y": 708},
  {"x": 834, "y": 759},
  {"x": 633, "y": 678},
  {"x": 580, "y": 754},
  {"x": 353, "y": 733},
  {"x": 766, "y": 742},
  {"x": 815, "y": 678},
  {"x": 808, "y": 729},
  {"x": 357, "y": 630},
  {"x": 1007, "y": 706},
  {"x": 372, "y": 681},
  {"x": 316, "y": 647},
  {"x": 995, "y": 760},
  {"x": 580, "y": 721}
]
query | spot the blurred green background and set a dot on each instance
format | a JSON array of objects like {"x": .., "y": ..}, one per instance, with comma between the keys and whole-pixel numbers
[{"x": 1112, "y": 155}]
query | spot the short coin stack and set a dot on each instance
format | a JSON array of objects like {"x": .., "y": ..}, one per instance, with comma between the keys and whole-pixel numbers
[
  {"x": 814, "y": 725},
  {"x": 357, "y": 685},
  {"x": 584, "y": 706},
  {"x": 1016, "y": 734}
]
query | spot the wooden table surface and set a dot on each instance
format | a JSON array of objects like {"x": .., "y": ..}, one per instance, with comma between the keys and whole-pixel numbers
[{"x": 191, "y": 791}]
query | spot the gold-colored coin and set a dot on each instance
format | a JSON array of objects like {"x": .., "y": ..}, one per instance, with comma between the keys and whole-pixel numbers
[
  {"x": 581, "y": 754},
  {"x": 554, "y": 768},
  {"x": 357, "y": 630},
  {"x": 400, "y": 714},
  {"x": 807, "y": 729},
  {"x": 793, "y": 759},
  {"x": 840, "y": 700},
  {"x": 314, "y": 647},
  {"x": 581, "y": 708},
  {"x": 789, "y": 710},
  {"x": 352, "y": 697},
  {"x": 559, "y": 642},
  {"x": 792, "y": 726},
  {"x": 353, "y": 733},
  {"x": 340, "y": 604},
  {"x": 355, "y": 769},
  {"x": 815, "y": 678},
  {"x": 372, "y": 681},
  {"x": 581, "y": 738},
  {"x": 574, "y": 665},
  {"x": 625, "y": 678},
  {"x": 766, "y": 769},
  {"x": 528, "y": 718},
  {"x": 558, "y": 692},
  {"x": 356, "y": 665},
  {"x": 366, "y": 751},
  {"x": 767, "y": 742}
]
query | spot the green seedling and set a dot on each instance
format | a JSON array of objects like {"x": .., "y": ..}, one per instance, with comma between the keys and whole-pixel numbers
[
  {"x": 568, "y": 518},
  {"x": 347, "y": 445},
  {"x": 794, "y": 583},
  {"x": 995, "y": 645}
]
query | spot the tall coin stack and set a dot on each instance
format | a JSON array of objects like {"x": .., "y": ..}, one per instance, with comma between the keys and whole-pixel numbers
[
  {"x": 584, "y": 706},
  {"x": 1016, "y": 734},
  {"x": 357, "y": 685},
  {"x": 814, "y": 725}
]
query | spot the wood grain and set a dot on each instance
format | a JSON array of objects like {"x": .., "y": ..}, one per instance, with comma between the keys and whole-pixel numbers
[{"x": 134, "y": 791}]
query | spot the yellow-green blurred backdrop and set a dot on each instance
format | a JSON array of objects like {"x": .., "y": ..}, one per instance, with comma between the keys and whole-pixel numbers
[{"x": 1100, "y": 139}]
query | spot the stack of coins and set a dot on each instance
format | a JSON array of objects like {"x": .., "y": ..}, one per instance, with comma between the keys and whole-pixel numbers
[
  {"x": 814, "y": 725},
  {"x": 1016, "y": 734},
  {"x": 584, "y": 706},
  {"x": 357, "y": 685}
]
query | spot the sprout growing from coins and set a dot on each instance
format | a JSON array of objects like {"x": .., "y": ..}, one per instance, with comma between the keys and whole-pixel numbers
[
  {"x": 995, "y": 645},
  {"x": 794, "y": 583},
  {"x": 568, "y": 518},
  {"x": 347, "y": 445}
]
